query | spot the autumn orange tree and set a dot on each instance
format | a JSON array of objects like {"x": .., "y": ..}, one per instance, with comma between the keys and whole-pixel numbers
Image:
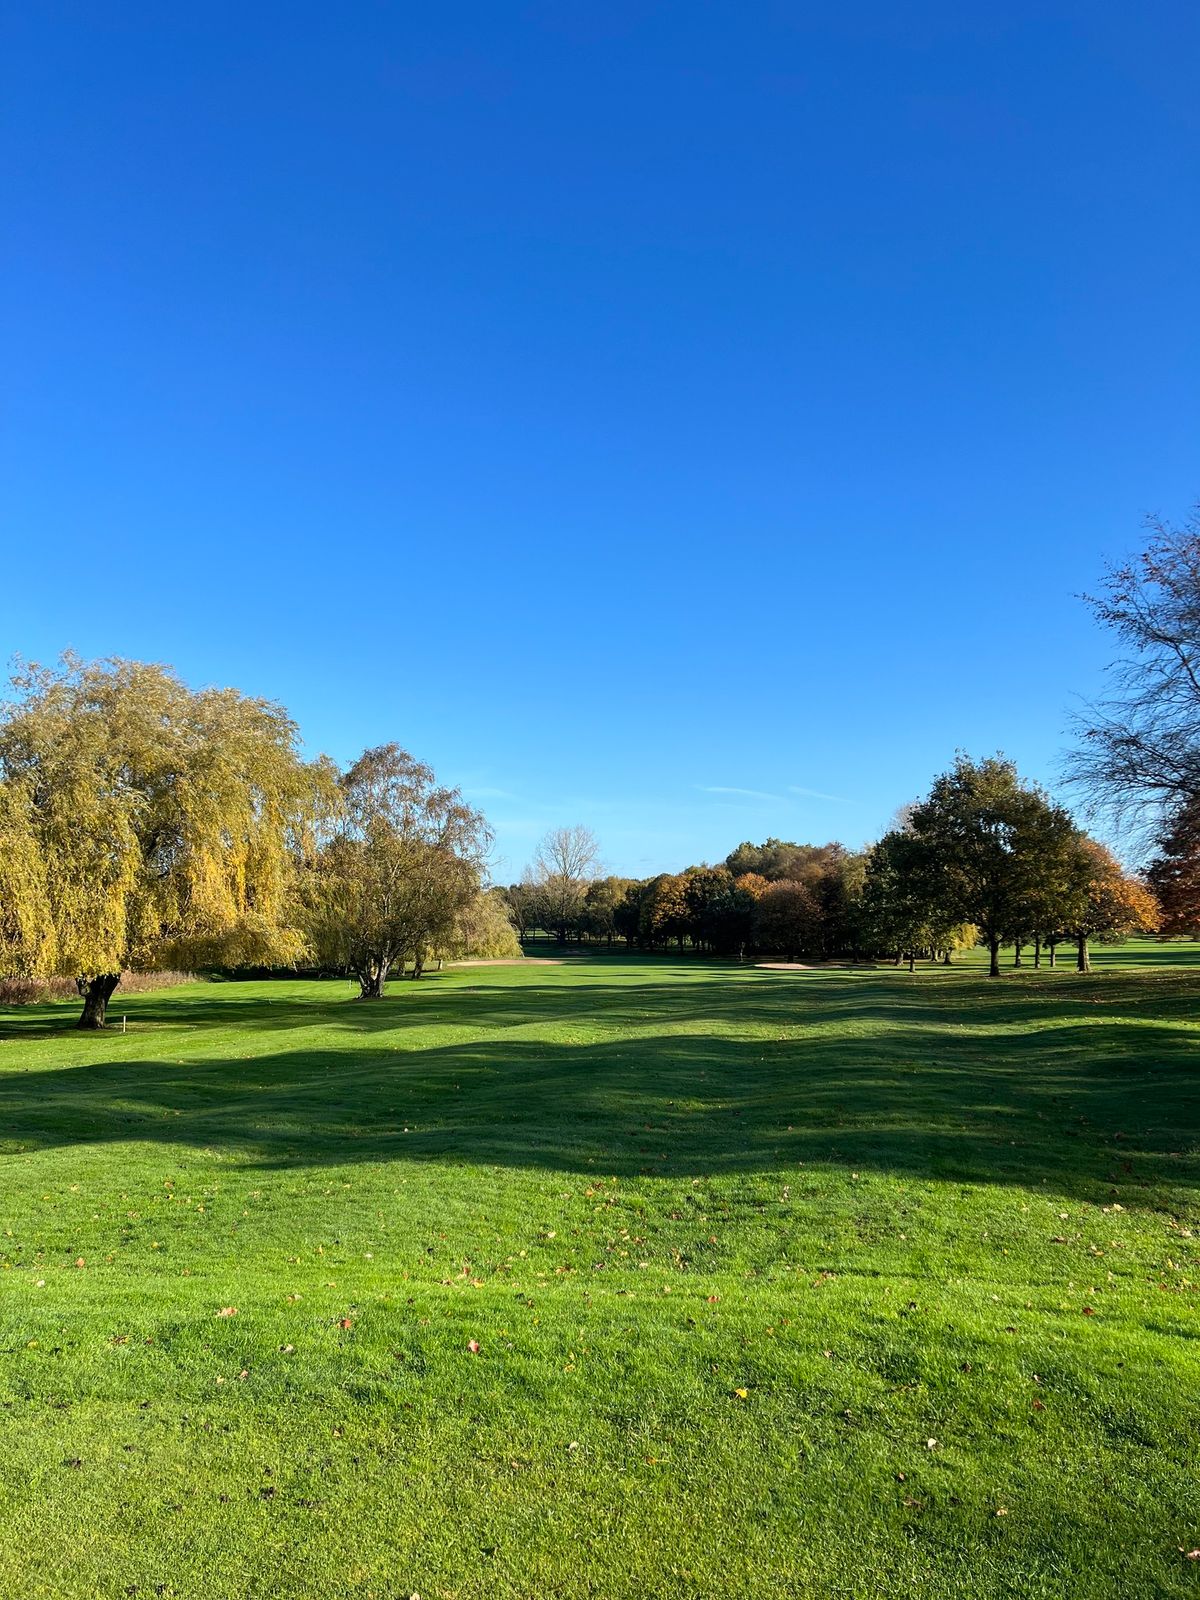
[
  {"x": 663, "y": 913},
  {"x": 143, "y": 824},
  {"x": 1174, "y": 873},
  {"x": 1107, "y": 902}
]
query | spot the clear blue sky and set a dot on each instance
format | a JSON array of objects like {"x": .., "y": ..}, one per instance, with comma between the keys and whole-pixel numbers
[{"x": 622, "y": 406}]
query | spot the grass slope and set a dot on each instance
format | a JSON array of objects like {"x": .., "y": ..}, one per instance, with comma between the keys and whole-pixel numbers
[{"x": 784, "y": 1284}]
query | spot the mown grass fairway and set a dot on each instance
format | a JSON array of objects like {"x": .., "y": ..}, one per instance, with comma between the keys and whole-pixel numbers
[{"x": 784, "y": 1284}]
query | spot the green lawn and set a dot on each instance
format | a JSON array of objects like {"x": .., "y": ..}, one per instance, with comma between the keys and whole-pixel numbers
[{"x": 824, "y": 1283}]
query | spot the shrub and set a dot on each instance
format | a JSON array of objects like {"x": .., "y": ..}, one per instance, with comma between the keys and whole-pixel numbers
[{"x": 34, "y": 991}]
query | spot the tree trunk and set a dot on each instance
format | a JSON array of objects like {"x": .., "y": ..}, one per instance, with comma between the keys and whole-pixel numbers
[
  {"x": 994, "y": 949},
  {"x": 96, "y": 992},
  {"x": 372, "y": 980},
  {"x": 1017, "y": 948},
  {"x": 912, "y": 961},
  {"x": 1054, "y": 955},
  {"x": 1084, "y": 963},
  {"x": 1037, "y": 952},
  {"x": 946, "y": 958}
]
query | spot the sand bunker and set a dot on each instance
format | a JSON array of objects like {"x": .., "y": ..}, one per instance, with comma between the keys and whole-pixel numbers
[{"x": 507, "y": 961}]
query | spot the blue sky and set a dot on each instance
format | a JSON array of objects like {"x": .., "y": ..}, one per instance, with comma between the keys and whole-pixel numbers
[{"x": 692, "y": 420}]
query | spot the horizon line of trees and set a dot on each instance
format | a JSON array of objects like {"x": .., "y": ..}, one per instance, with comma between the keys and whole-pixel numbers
[
  {"x": 984, "y": 858},
  {"x": 144, "y": 824}
]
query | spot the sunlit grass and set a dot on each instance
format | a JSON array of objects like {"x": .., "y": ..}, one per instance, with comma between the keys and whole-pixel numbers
[{"x": 782, "y": 1284}]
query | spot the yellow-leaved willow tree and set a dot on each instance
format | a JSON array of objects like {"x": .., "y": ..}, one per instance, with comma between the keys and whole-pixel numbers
[{"x": 145, "y": 824}]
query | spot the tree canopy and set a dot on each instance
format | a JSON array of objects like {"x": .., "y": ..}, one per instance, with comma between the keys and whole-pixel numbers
[
  {"x": 401, "y": 865},
  {"x": 146, "y": 823}
]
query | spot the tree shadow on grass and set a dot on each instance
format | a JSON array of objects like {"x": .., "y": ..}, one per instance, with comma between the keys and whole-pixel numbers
[
  {"x": 636, "y": 994},
  {"x": 1081, "y": 1102}
]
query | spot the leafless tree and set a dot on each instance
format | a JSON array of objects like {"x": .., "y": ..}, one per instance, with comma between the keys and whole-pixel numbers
[
  {"x": 1140, "y": 758},
  {"x": 567, "y": 860}
]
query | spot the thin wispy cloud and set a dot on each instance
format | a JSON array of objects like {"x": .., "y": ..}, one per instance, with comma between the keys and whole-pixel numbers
[
  {"x": 819, "y": 794},
  {"x": 738, "y": 794}
]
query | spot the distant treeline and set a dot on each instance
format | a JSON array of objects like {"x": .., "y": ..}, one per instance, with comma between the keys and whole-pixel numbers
[{"x": 985, "y": 857}]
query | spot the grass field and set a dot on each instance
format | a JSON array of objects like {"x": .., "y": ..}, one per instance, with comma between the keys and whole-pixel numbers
[{"x": 783, "y": 1284}]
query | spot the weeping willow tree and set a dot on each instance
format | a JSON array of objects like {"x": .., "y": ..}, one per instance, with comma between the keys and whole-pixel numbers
[
  {"x": 27, "y": 935},
  {"x": 145, "y": 824},
  {"x": 483, "y": 928}
]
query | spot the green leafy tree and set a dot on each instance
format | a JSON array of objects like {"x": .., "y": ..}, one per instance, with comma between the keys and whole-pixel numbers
[
  {"x": 597, "y": 917},
  {"x": 704, "y": 889},
  {"x": 779, "y": 859},
  {"x": 627, "y": 914},
  {"x": 902, "y": 901},
  {"x": 729, "y": 919},
  {"x": 787, "y": 919},
  {"x": 838, "y": 890},
  {"x": 987, "y": 848},
  {"x": 401, "y": 866}
]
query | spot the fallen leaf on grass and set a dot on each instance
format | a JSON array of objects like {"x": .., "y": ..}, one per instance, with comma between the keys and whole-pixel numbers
[
  {"x": 345, "y": 1322},
  {"x": 227, "y": 1311},
  {"x": 741, "y": 1394},
  {"x": 473, "y": 1346}
]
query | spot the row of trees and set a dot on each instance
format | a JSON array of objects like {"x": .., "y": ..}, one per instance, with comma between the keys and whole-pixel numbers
[
  {"x": 772, "y": 896},
  {"x": 986, "y": 851},
  {"x": 985, "y": 857},
  {"x": 144, "y": 824}
]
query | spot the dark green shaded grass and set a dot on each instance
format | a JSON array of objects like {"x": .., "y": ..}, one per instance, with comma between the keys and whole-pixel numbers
[{"x": 890, "y": 1209}]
